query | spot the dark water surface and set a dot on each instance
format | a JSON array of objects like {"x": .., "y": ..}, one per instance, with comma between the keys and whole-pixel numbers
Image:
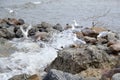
[{"x": 103, "y": 12}]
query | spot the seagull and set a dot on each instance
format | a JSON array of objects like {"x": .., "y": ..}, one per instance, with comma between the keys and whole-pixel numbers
[
  {"x": 75, "y": 23},
  {"x": 78, "y": 41},
  {"x": 10, "y": 10},
  {"x": 25, "y": 33},
  {"x": 103, "y": 34},
  {"x": 37, "y": 2}
]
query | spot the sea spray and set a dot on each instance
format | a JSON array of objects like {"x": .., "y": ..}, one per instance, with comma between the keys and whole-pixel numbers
[{"x": 30, "y": 58}]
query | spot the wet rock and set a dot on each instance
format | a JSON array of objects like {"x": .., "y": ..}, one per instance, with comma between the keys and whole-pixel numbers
[
  {"x": 58, "y": 27},
  {"x": 6, "y": 48},
  {"x": 19, "y": 77},
  {"x": 116, "y": 76},
  {"x": 35, "y": 29},
  {"x": 89, "y": 32},
  {"x": 4, "y": 25},
  {"x": 45, "y": 25},
  {"x": 90, "y": 40},
  {"x": 75, "y": 60},
  {"x": 21, "y": 22},
  {"x": 41, "y": 36},
  {"x": 59, "y": 75},
  {"x": 18, "y": 33},
  {"x": 6, "y": 33}
]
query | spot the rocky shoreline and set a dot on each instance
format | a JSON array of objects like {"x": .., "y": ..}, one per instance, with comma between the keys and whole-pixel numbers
[{"x": 97, "y": 59}]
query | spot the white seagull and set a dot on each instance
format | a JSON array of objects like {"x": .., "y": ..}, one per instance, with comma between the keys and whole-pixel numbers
[
  {"x": 75, "y": 23},
  {"x": 103, "y": 34},
  {"x": 78, "y": 41},
  {"x": 25, "y": 32},
  {"x": 37, "y": 2},
  {"x": 10, "y": 10}
]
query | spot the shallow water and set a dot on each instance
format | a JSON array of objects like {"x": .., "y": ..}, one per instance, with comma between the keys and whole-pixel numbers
[
  {"x": 30, "y": 58},
  {"x": 103, "y": 12}
]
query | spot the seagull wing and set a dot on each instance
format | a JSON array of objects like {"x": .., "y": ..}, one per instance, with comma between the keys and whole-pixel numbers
[
  {"x": 21, "y": 28},
  {"x": 29, "y": 27}
]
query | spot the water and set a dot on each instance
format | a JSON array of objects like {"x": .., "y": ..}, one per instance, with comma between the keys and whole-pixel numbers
[
  {"x": 104, "y": 12},
  {"x": 30, "y": 58}
]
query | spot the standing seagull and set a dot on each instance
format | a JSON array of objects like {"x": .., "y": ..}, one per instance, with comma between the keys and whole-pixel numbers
[
  {"x": 25, "y": 32},
  {"x": 75, "y": 23},
  {"x": 78, "y": 41}
]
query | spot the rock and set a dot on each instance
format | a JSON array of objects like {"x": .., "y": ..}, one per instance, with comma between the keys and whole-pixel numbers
[
  {"x": 41, "y": 36},
  {"x": 109, "y": 73},
  {"x": 98, "y": 29},
  {"x": 19, "y": 77},
  {"x": 58, "y": 27},
  {"x": 67, "y": 27},
  {"x": 75, "y": 60},
  {"x": 112, "y": 36},
  {"x": 79, "y": 35},
  {"x": 6, "y": 33},
  {"x": 91, "y": 78},
  {"x": 18, "y": 33},
  {"x": 26, "y": 77},
  {"x": 115, "y": 47},
  {"x": 89, "y": 32},
  {"x": 91, "y": 73},
  {"x": 102, "y": 40},
  {"x": 6, "y": 48},
  {"x": 45, "y": 25},
  {"x": 34, "y": 77},
  {"x": 59, "y": 75},
  {"x": 21, "y": 22},
  {"x": 116, "y": 76},
  {"x": 90, "y": 40}
]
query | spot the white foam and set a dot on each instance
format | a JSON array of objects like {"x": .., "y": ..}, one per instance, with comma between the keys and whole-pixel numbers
[
  {"x": 30, "y": 58},
  {"x": 63, "y": 39},
  {"x": 36, "y": 59}
]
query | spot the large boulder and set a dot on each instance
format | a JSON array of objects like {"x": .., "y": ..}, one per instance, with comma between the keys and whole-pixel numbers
[
  {"x": 59, "y": 75},
  {"x": 75, "y": 60},
  {"x": 7, "y": 33},
  {"x": 6, "y": 48}
]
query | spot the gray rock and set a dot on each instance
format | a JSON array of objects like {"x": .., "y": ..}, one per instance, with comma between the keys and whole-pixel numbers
[
  {"x": 59, "y": 75},
  {"x": 116, "y": 76},
  {"x": 18, "y": 33},
  {"x": 58, "y": 27},
  {"x": 7, "y": 33},
  {"x": 6, "y": 48},
  {"x": 75, "y": 60}
]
